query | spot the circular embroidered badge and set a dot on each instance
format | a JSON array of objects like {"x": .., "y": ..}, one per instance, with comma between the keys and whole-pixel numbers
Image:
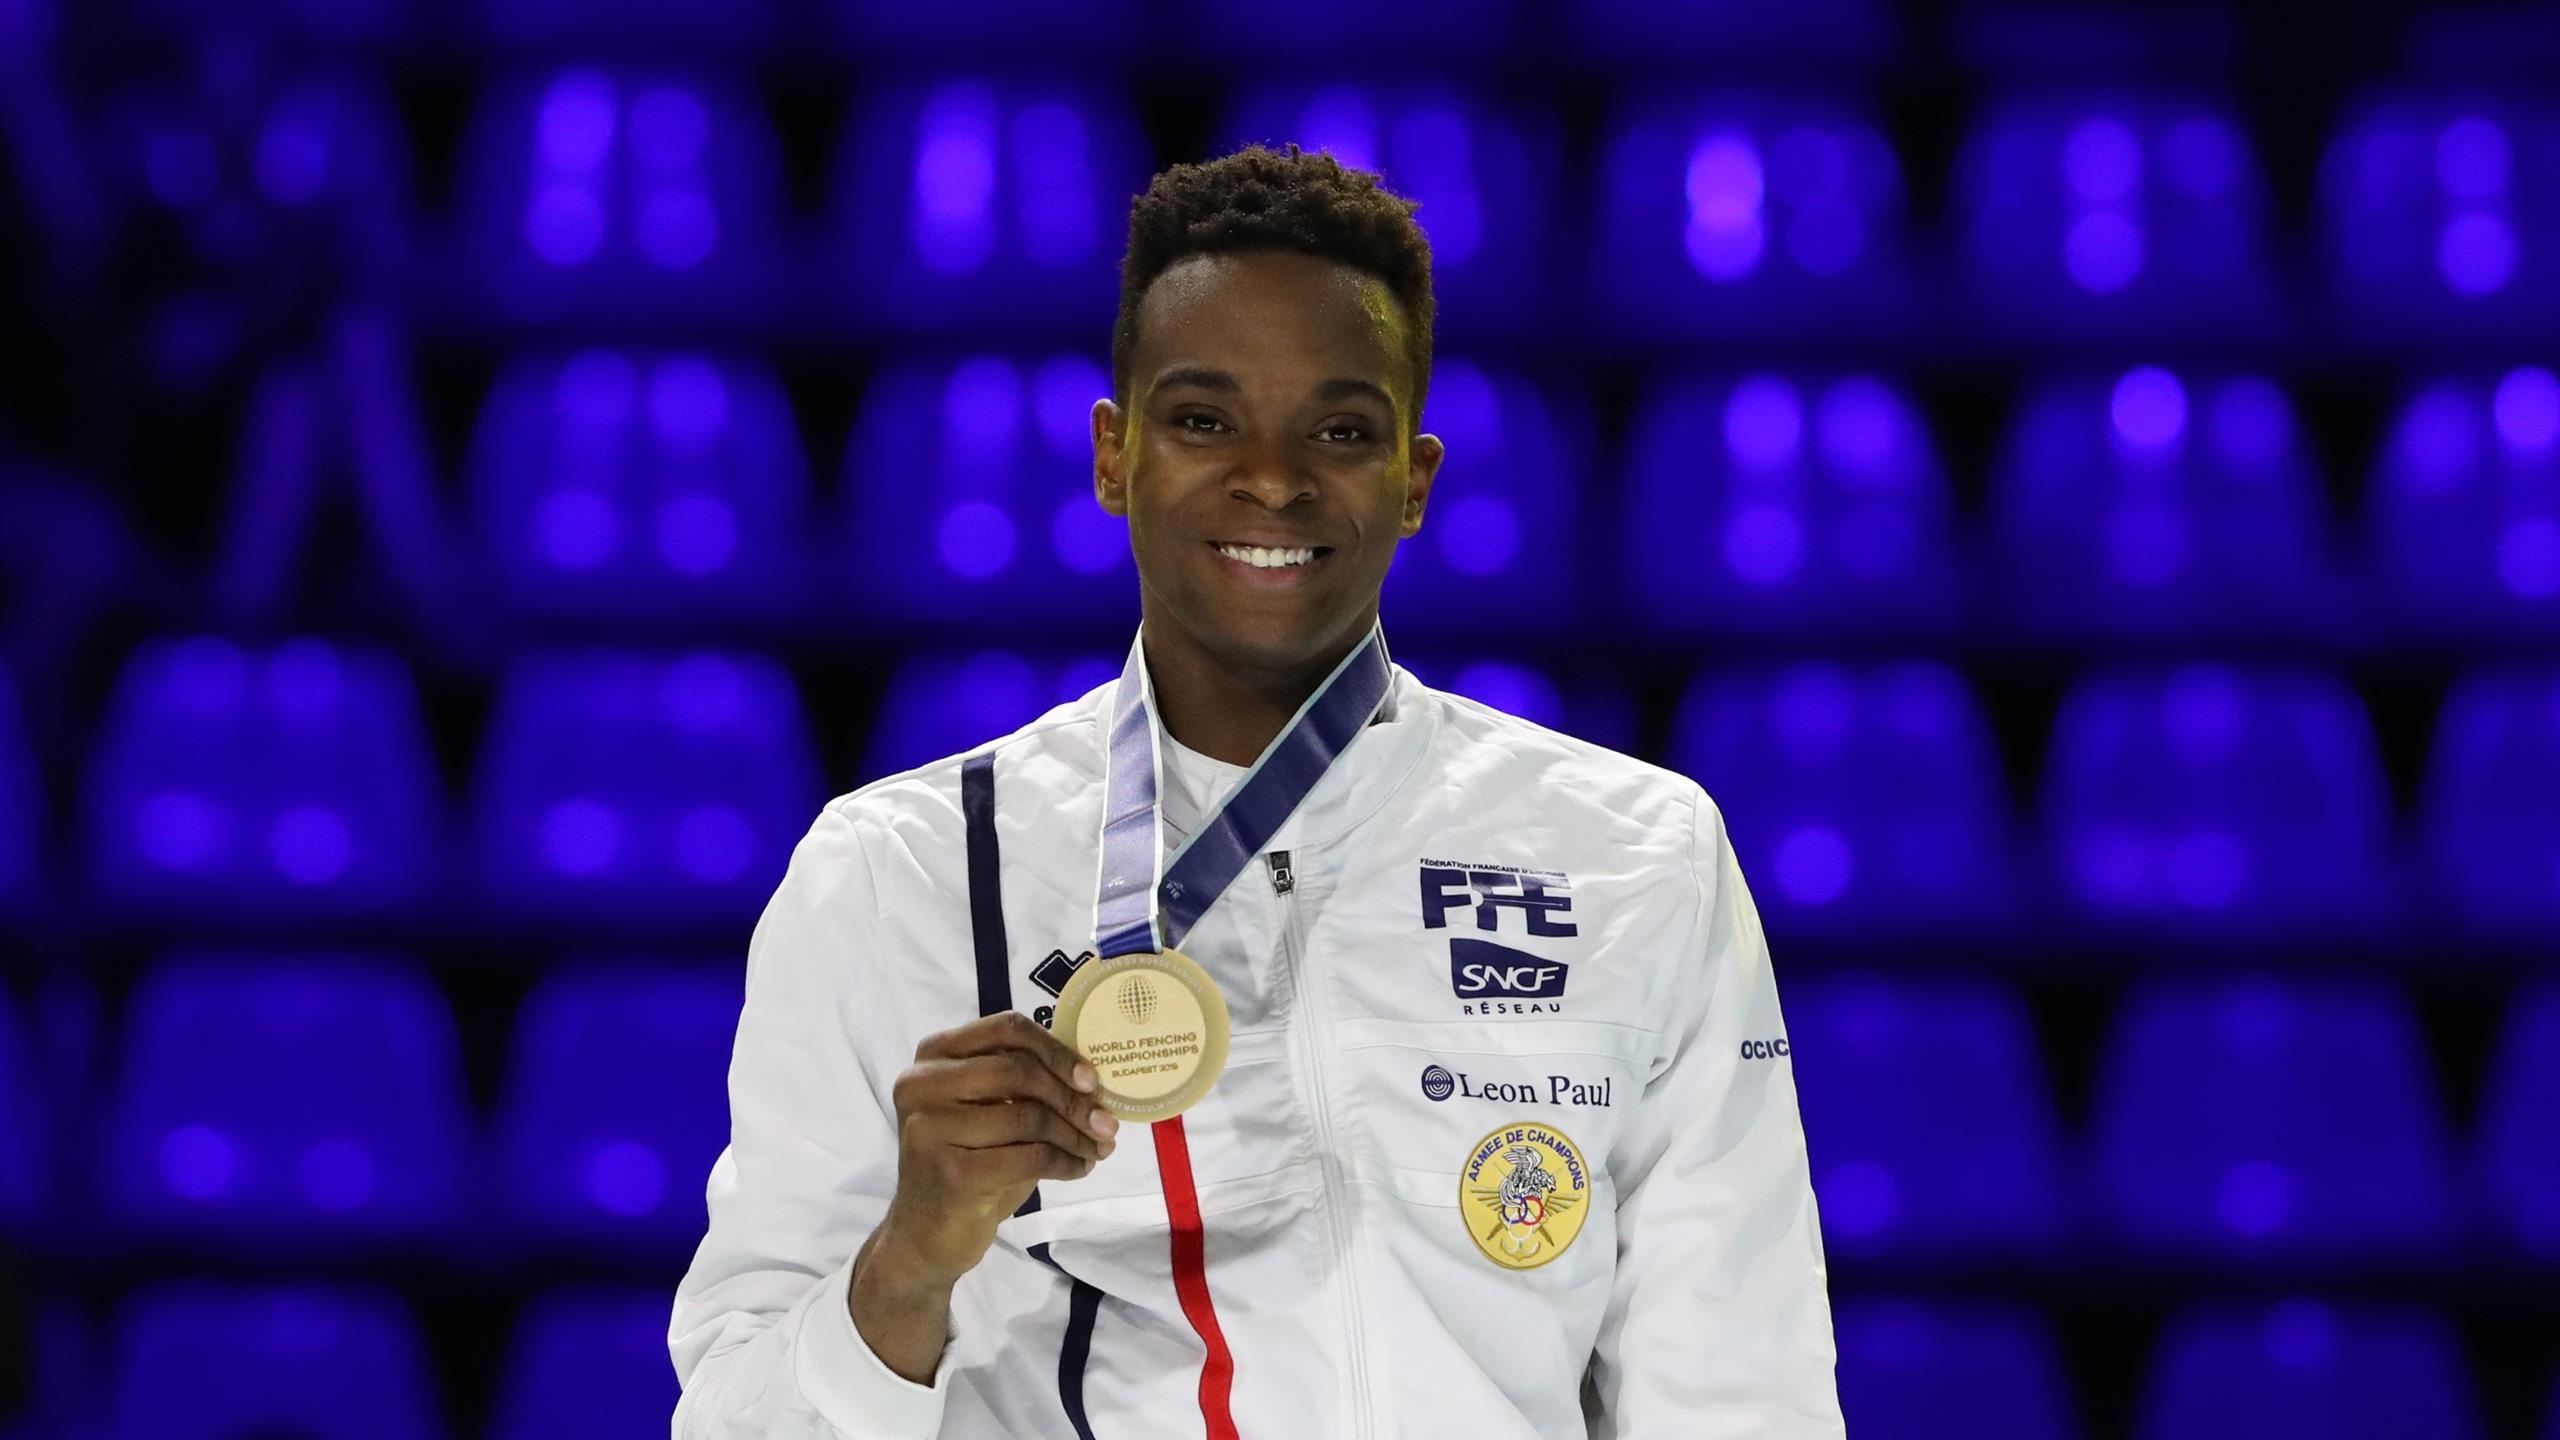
[{"x": 1522, "y": 1194}]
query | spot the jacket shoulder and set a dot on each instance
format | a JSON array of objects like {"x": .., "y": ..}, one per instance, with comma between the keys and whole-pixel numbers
[{"x": 1560, "y": 772}]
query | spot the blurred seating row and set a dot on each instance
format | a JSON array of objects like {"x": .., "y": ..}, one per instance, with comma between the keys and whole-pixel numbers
[
  {"x": 263, "y": 1101},
  {"x": 2188, "y": 801},
  {"x": 214, "y": 1360},
  {"x": 617, "y": 485},
  {"x": 280, "y": 1105},
  {"x": 1919, "y": 1369},
  {"x": 2234, "y": 1120},
  {"x": 196, "y": 1360},
  {"x": 987, "y": 204}
]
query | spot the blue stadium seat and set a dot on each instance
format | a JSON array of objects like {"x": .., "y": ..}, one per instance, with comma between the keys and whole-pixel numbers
[
  {"x": 2489, "y": 806},
  {"x": 939, "y": 705},
  {"x": 1933, "y": 1125},
  {"x": 2157, "y": 504},
  {"x": 1926, "y": 1369},
  {"x": 622, "y": 197},
  {"x": 616, "y": 1102},
  {"x": 2245, "y": 1118},
  {"x": 587, "y": 1362},
  {"x": 270, "y": 783},
  {"x": 276, "y": 1101},
  {"x": 1744, "y": 218},
  {"x": 21, "y": 805},
  {"x": 2463, "y": 513},
  {"x": 1687, "y": 32},
  {"x": 627, "y": 788},
  {"x": 2308, "y": 1367},
  {"x": 197, "y": 1360},
  {"x": 1862, "y": 800},
  {"x": 678, "y": 27},
  {"x": 1500, "y": 548},
  {"x": 2519, "y": 1130},
  {"x": 2216, "y": 802},
  {"x": 968, "y": 489},
  {"x": 970, "y": 206},
  {"x": 1484, "y": 173},
  {"x": 2115, "y": 216},
  {"x": 668, "y": 486},
  {"x": 1600, "y": 713},
  {"x": 2440, "y": 217},
  {"x": 270, "y": 168},
  {"x": 1786, "y": 504}
]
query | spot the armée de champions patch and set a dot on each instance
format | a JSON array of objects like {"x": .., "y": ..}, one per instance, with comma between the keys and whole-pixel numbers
[
  {"x": 1487, "y": 976},
  {"x": 1522, "y": 1194}
]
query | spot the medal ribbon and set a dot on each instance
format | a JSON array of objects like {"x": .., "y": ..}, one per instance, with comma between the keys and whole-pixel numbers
[{"x": 1147, "y": 901}]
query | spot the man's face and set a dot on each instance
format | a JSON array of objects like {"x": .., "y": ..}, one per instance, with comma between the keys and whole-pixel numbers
[{"x": 1269, "y": 398}]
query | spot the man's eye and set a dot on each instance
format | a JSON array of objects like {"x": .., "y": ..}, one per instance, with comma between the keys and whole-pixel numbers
[
  {"x": 1184, "y": 422},
  {"x": 1357, "y": 432}
]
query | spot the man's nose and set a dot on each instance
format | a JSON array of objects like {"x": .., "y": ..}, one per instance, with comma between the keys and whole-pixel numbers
[{"x": 1269, "y": 475}]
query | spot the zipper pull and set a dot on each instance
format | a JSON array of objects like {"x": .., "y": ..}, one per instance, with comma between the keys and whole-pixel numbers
[{"x": 1281, "y": 884}]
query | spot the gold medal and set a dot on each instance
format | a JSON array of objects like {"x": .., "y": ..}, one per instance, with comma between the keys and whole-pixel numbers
[{"x": 1153, "y": 1026}]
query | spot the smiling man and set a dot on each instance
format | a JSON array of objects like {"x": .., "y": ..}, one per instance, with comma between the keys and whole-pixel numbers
[{"x": 1497, "y": 1135}]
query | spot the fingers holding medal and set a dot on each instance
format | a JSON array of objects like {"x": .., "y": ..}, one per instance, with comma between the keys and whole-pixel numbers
[{"x": 1153, "y": 1026}]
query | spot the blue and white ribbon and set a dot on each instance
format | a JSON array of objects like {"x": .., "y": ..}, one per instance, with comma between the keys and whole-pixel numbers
[{"x": 1147, "y": 901}]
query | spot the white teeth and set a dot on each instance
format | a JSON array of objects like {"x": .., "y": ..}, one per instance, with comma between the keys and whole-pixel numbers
[{"x": 1264, "y": 558}]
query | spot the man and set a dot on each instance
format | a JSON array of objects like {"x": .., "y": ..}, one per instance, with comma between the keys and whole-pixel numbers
[{"x": 1496, "y": 1151}]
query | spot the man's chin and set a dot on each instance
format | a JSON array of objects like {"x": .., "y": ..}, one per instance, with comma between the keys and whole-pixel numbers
[{"x": 1278, "y": 640}]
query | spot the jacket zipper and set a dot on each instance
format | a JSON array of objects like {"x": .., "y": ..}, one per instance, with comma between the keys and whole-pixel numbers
[{"x": 1284, "y": 885}]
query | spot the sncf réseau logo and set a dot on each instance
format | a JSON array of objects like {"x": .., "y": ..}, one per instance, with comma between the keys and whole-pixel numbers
[{"x": 1492, "y": 978}]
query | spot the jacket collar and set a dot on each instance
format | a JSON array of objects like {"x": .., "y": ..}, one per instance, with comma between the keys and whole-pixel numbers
[{"x": 1361, "y": 778}]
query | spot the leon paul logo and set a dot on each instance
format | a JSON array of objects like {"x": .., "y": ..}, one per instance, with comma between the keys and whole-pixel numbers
[
  {"x": 1522, "y": 1195},
  {"x": 1487, "y": 976},
  {"x": 1439, "y": 1083}
]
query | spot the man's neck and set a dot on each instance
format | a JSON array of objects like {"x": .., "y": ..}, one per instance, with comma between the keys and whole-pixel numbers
[{"x": 1225, "y": 711}]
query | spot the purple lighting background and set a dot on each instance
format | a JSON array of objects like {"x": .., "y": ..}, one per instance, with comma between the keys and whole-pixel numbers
[{"x": 2080, "y": 486}]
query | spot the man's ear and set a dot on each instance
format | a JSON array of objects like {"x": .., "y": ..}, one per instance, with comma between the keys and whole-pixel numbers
[
  {"x": 1110, "y": 459},
  {"x": 1428, "y": 452}
]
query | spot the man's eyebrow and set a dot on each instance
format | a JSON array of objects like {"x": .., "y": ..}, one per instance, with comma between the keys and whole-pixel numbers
[
  {"x": 1346, "y": 389},
  {"x": 1199, "y": 377},
  {"x": 1342, "y": 388}
]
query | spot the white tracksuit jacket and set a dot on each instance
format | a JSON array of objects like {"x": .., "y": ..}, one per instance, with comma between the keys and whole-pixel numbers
[{"x": 1484, "y": 923}]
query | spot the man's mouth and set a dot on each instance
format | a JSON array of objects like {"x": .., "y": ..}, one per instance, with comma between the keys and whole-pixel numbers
[{"x": 1266, "y": 557}]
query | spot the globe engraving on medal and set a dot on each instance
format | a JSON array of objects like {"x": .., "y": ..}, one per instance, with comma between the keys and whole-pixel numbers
[
  {"x": 1153, "y": 1026},
  {"x": 1137, "y": 1000}
]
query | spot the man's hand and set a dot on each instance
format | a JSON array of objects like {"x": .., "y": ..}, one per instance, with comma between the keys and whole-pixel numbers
[{"x": 989, "y": 1110}]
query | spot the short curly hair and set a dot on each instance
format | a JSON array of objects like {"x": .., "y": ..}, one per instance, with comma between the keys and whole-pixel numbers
[{"x": 1258, "y": 198}]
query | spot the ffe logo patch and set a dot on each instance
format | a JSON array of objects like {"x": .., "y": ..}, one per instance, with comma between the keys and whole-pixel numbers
[
  {"x": 1522, "y": 1195},
  {"x": 1487, "y": 976}
]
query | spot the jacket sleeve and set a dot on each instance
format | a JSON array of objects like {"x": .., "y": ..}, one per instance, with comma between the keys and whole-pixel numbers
[
  {"x": 1719, "y": 1322},
  {"x": 761, "y": 1337}
]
